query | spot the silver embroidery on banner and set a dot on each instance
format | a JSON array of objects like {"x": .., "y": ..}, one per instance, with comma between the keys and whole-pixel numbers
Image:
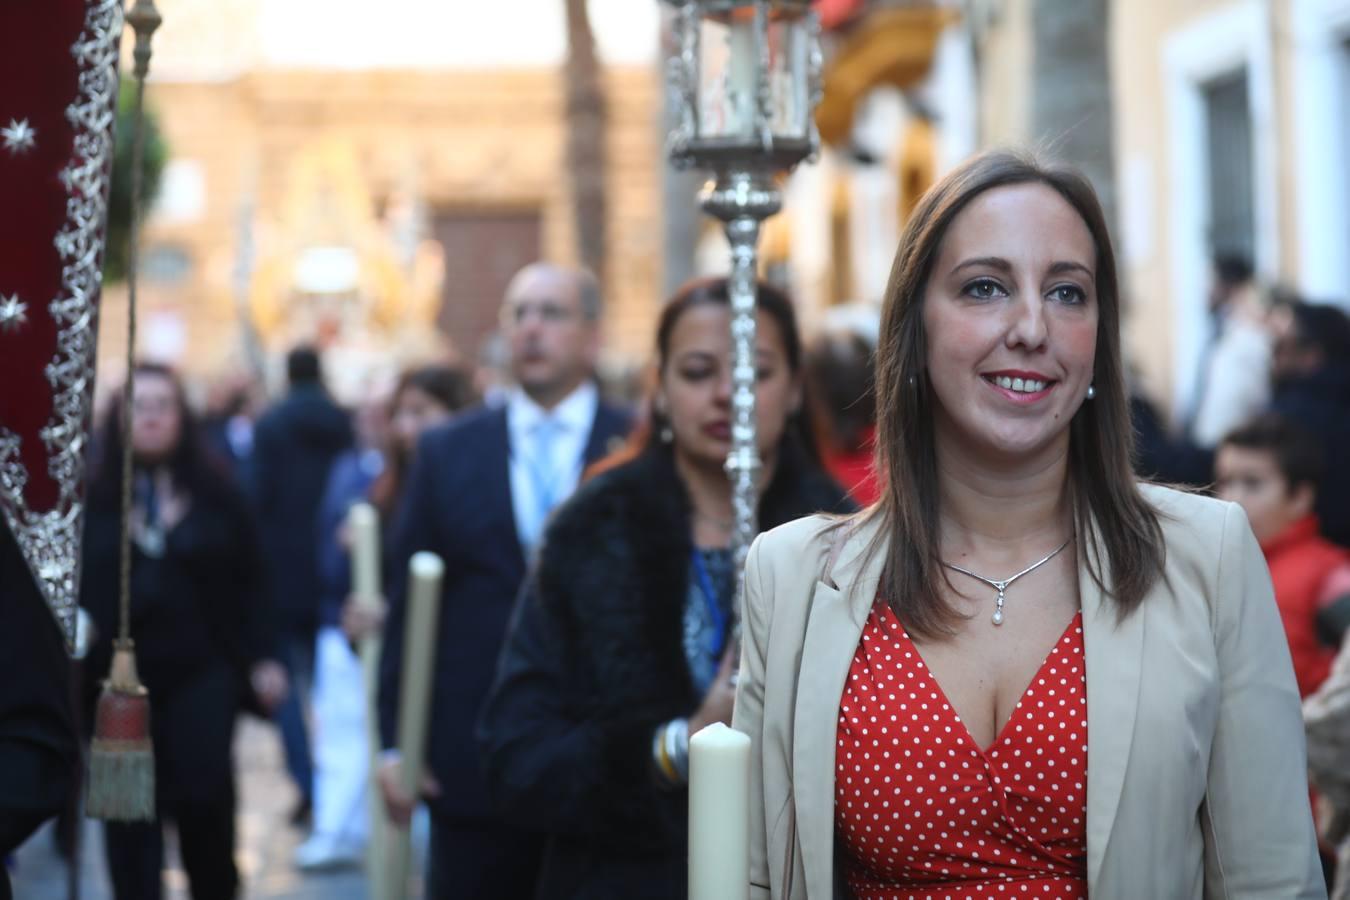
[{"x": 50, "y": 540}]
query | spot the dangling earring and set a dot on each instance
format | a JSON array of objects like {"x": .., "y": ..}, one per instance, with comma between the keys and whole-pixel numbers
[
  {"x": 913, "y": 380},
  {"x": 1091, "y": 392},
  {"x": 663, "y": 432}
]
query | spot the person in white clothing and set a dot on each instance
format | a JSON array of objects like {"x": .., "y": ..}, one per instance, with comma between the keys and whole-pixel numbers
[{"x": 1235, "y": 375}]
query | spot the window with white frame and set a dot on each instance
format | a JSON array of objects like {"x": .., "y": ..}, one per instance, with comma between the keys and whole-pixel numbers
[{"x": 1232, "y": 206}]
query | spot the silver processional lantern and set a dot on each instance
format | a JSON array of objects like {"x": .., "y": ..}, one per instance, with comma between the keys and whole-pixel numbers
[{"x": 746, "y": 78}]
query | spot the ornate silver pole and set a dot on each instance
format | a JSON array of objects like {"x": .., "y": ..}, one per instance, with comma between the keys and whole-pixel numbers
[
  {"x": 742, "y": 200},
  {"x": 746, "y": 104}
]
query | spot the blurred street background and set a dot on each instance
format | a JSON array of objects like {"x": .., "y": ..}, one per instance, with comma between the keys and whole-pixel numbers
[{"x": 365, "y": 180}]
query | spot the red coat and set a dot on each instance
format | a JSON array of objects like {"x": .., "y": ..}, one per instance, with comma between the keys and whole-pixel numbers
[{"x": 1300, "y": 560}]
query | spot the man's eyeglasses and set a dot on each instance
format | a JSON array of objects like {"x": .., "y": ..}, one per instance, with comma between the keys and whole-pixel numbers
[{"x": 548, "y": 312}]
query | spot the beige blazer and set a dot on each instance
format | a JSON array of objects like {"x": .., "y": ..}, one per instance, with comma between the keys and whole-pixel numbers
[{"x": 1197, "y": 780}]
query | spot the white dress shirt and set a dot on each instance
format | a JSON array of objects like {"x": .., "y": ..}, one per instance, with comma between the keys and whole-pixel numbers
[{"x": 545, "y": 470}]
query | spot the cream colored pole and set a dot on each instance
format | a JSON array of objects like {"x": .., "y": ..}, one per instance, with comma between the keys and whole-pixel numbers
[
  {"x": 363, "y": 525},
  {"x": 419, "y": 657}
]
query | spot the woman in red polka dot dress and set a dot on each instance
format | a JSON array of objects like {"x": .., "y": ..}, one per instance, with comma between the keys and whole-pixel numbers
[
  {"x": 1020, "y": 673},
  {"x": 921, "y": 802}
]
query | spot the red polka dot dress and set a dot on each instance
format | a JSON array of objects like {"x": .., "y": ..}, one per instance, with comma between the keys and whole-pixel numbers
[{"x": 923, "y": 813}]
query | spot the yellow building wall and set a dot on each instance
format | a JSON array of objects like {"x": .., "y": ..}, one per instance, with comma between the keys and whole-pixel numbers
[{"x": 486, "y": 139}]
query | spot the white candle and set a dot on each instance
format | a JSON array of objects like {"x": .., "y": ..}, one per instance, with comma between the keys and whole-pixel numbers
[
  {"x": 363, "y": 529},
  {"x": 719, "y": 814},
  {"x": 363, "y": 524},
  {"x": 419, "y": 657}
]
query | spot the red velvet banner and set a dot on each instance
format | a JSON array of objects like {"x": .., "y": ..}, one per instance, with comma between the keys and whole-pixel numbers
[{"x": 58, "y": 66}]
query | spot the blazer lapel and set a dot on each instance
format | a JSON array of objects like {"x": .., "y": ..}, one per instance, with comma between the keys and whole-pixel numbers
[
  {"x": 834, "y": 627},
  {"x": 499, "y": 481},
  {"x": 607, "y": 434},
  {"x": 1114, "y": 652}
]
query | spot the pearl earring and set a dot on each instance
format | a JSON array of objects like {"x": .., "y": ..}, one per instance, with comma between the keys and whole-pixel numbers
[{"x": 1091, "y": 392}]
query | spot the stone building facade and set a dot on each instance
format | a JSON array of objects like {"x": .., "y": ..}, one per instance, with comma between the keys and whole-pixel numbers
[{"x": 374, "y": 206}]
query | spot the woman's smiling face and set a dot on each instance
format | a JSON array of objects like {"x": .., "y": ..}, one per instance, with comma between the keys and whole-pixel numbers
[{"x": 1010, "y": 312}]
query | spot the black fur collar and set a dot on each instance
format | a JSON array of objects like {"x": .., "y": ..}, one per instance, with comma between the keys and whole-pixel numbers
[{"x": 614, "y": 568}]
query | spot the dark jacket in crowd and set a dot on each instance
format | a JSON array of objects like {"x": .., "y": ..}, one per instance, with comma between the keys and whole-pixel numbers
[
  {"x": 349, "y": 483},
  {"x": 200, "y": 621},
  {"x": 1320, "y": 402},
  {"x": 595, "y": 662},
  {"x": 38, "y": 743},
  {"x": 1160, "y": 457},
  {"x": 202, "y": 605},
  {"x": 294, "y": 445},
  {"x": 458, "y": 505}
]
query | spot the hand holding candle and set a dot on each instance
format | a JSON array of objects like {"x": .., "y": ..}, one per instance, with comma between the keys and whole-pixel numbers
[
  {"x": 363, "y": 533},
  {"x": 719, "y": 814}
]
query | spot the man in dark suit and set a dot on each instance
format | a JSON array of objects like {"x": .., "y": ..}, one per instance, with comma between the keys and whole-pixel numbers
[
  {"x": 294, "y": 445},
  {"x": 480, "y": 491}
]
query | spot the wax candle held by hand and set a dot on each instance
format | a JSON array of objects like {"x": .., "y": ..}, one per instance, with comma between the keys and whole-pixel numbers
[
  {"x": 719, "y": 814},
  {"x": 363, "y": 523}
]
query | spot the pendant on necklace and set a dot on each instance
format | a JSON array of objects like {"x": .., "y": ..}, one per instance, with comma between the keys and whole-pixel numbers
[{"x": 1002, "y": 586}]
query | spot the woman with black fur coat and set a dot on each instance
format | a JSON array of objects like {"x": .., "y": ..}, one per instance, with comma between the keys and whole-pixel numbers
[{"x": 621, "y": 646}]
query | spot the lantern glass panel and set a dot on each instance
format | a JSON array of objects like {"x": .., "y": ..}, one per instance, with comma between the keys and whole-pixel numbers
[
  {"x": 789, "y": 48},
  {"x": 729, "y": 72},
  {"x": 727, "y": 77}
]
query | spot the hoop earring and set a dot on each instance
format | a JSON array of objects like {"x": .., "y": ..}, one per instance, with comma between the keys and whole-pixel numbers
[{"x": 1091, "y": 392}]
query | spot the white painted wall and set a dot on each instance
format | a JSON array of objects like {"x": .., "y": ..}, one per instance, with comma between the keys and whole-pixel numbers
[
  {"x": 951, "y": 88},
  {"x": 1206, "y": 48},
  {"x": 1321, "y": 91}
]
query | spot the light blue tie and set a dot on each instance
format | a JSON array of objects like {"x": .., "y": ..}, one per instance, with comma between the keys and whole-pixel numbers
[{"x": 543, "y": 474}]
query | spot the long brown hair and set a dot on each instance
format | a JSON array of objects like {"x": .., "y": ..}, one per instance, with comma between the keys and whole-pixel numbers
[
  {"x": 1126, "y": 548},
  {"x": 193, "y": 465}
]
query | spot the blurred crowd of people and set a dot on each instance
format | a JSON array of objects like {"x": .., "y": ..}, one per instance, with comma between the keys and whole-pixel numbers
[
  {"x": 1268, "y": 428},
  {"x": 558, "y": 743}
]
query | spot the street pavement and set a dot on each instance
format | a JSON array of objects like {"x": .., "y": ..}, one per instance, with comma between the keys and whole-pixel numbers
[{"x": 265, "y": 842}]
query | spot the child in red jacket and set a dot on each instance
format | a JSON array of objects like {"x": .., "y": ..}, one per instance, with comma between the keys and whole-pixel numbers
[{"x": 1272, "y": 468}]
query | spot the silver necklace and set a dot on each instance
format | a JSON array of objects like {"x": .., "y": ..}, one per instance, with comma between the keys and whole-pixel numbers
[{"x": 1002, "y": 586}]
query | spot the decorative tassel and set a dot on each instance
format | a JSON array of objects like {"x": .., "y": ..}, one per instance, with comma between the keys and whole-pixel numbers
[{"x": 121, "y": 758}]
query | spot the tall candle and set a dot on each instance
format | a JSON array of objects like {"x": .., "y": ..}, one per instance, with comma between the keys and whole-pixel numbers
[
  {"x": 363, "y": 524},
  {"x": 719, "y": 814},
  {"x": 419, "y": 657},
  {"x": 363, "y": 528}
]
